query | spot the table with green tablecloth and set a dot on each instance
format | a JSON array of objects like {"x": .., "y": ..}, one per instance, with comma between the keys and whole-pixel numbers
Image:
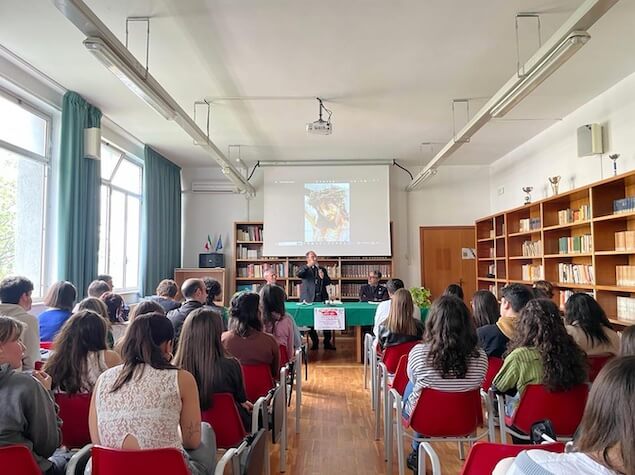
[{"x": 357, "y": 314}]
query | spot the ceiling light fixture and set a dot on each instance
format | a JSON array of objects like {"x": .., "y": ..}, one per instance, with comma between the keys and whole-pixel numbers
[
  {"x": 322, "y": 163},
  {"x": 321, "y": 126},
  {"x": 422, "y": 178},
  {"x": 128, "y": 76},
  {"x": 541, "y": 71}
]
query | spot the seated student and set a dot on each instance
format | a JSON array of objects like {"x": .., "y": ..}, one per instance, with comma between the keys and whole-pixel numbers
[
  {"x": 245, "y": 339},
  {"x": 214, "y": 293},
  {"x": 97, "y": 288},
  {"x": 493, "y": 338},
  {"x": 60, "y": 299},
  {"x": 143, "y": 307},
  {"x": 586, "y": 322},
  {"x": 400, "y": 327},
  {"x": 99, "y": 307},
  {"x": 165, "y": 295},
  {"x": 541, "y": 352},
  {"x": 627, "y": 346},
  {"x": 605, "y": 444},
  {"x": 485, "y": 308},
  {"x": 15, "y": 295},
  {"x": 80, "y": 354},
  {"x": 383, "y": 309},
  {"x": 449, "y": 359},
  {"x": 28, "y": 415},
  {"x": 277, "y": 322},
  {"x": 201, "y": 352},
  {"x": 373, "y": 291},
  {"x": 108, "y": 279},
  {"x": 147, "y": 403},
  {"x": 454, "y": 290},
  {"x": 116, "y": 313},
  {"x": 543, "y": 289},
  {"x": 195, "y": 297}
]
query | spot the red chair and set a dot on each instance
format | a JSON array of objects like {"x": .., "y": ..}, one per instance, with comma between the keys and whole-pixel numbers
[
  {"x": 284, "y": 356},
  {"x": 19, "y": 460},
  {"x": 258, "y": 380},
  {"x": 398, "y": 385},
  {"x": 107, "y": 461},
  {"x": 596, "y": 363},
  {"x": 494, "y": 364},
  {"x": 441, "y": 416},
  {"x": 563, "y": 408},
  {"x": 392, "y": 354},
  {"x": 484, "y": 456},
  {"x": 74, "y": 413},
  {"x": 225, "y": 419},
  {"x": 46, "y": 345}
]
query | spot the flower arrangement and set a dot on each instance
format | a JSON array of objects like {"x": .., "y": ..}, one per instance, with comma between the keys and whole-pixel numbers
[{"x": 421, "y": 297}]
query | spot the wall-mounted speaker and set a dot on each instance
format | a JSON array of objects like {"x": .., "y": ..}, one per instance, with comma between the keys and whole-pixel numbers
[
  {"x": 590, "y": 140},
  {"x": 92, "y": 143},
  {"x": 211, "y": 259}
]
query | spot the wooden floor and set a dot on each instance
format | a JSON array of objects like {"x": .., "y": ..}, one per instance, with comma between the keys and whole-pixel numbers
[{"x": 337, "y": 431}]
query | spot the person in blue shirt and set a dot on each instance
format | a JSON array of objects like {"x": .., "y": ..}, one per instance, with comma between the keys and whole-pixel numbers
[{"x": 60, "y": 300}]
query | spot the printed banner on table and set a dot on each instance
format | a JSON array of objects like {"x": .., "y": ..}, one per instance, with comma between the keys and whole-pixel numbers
[{"x": 329, "y": 318}]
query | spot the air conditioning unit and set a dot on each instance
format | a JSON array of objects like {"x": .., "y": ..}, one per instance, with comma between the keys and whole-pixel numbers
[{"x": 214, "y": 186}]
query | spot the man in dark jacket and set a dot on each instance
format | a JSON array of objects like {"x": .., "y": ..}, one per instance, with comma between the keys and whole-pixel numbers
[
  {"x": 373, "y": 291},
  {"x": 195, "y": 296},
  {"x": 165, "y": 295}
]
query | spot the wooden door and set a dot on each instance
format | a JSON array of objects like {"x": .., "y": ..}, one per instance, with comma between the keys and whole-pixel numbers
[{"x": 444, "y": 261}]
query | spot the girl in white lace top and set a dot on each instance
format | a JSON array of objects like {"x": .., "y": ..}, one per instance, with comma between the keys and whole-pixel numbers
[
  {"x": 148, "y": 403},
  {"x": 80, "y": 354}
]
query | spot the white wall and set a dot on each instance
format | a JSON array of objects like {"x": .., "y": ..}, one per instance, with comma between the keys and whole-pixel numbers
[{"x": 554, "y": 151}]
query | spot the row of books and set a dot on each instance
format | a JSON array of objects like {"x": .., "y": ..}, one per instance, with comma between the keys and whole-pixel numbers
[
  {"x": 567, "y": 216},
  {"x": 626, "y": 309},
  {"x": 624, "y": 205},
  {"x": 575, "y": 273},
  {"x": 491, "y": 270},
  {"x": 565, "y": 294},
  {"x": 573, "y": 244},
  {"x": 625, "y": 241},
  {"x": 244, "y": 252},
  {"x": 532, "y": 248},
  {"x": 334, "y": 272},
  {"x": 249, "y": 233},
  {"x": 362, "y": 270},
  {"x": 258, "y": 270},
  {"x": 248, "y": 288},
  {"x": 532, "y": 272},
  {"x": 333, "y": 290},
  {"x": 351, "y": 290},
  {"x": 528, "y": 224},
  {"x": 625, "y": 276}
]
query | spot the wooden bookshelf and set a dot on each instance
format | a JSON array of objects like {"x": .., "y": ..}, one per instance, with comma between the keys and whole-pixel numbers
[
  {"x": 348, "y": 273},
  {"x": 577, "y": 234}
]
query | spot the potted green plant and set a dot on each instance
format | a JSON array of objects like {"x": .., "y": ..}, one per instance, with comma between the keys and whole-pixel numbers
[{"x": 421, "y": 297}]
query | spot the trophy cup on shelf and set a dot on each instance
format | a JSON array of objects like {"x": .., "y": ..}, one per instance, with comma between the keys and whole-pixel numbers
[
  {"x": 614, "y": 158},
  {"x": 528, "y": 190},
  {"x": 555, "y": 181}
]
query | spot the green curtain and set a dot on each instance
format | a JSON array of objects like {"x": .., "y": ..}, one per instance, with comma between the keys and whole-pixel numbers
[
  {"x": 161, "y": 220},
  {"x": 78, "y": 196}
]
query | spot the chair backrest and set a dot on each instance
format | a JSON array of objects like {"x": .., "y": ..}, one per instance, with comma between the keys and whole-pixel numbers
[
  {"x": 563, "y": 408},
  {"x": 393, "y": 353},
  {"x": 447, "y": 414},
  {"x": 494, "y": 364},
  {"x": 258, "y": 380},
  {"x": 596, "y": 363},
  {"x": 284, "y": 356},
  {"x": 19, "y": 459},
  {"x": 225, "y": 419},
  {"x": 254, "y": 462},
  {"x": 46, "y": 345},
  {"x": 74, "y": 410},
  {"x": 400, "y": 380},
  {"x": 107, "y": 461},
  {"x": 484, "y": 456}
]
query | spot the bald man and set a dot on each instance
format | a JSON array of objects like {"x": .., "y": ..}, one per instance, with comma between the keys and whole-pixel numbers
[{"x": 195, "y": 295}]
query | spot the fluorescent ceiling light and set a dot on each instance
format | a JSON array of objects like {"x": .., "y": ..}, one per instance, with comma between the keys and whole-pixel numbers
[
  {"x": 322, "y": 163},
  {"x": 422, "y": 178},
  {"x": 128, "y": 76},
  {"x": 544, "y": 69}
]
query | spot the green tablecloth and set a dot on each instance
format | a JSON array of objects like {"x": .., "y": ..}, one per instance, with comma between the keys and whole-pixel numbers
[{"x": 357, "y": 313}]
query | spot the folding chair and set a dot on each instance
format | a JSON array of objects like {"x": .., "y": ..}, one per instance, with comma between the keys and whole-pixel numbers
[
  {"x": 73, "y": 411},
  {"x": 563, "y": 408},
  {"x": 596, "y": 363},
  {"x": 399, "y": 383},
  {"x": 225, "y": 419},
  {"x": 484, "y": 456},
  {"x": 368, "y": 360},
  {"x": 249, "y": 458},
  {"x": 107, "y": 461},
  {"x": 19, "y": 459},
  {"x": 258, "y": 380},
  {"x": 494, "y": 365},
  {"x": 440, "y": 416}
]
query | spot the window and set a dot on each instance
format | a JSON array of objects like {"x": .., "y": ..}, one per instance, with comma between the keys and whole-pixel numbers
[
  {"x": 24, "y": 161},
  {"x": 120, "y": 226}
]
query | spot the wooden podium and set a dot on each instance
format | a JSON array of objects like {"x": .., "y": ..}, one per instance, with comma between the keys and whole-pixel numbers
[{"x": 218, "y": 273}]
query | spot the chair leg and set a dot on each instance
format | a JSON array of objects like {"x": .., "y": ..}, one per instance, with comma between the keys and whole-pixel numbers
[
  {"x": 400, "y": 448},
  {"x": 388, "y": 434},
  {"x": 501, "y": 417},
  {"x": 365, "y": 363},
  {"x": 378, "y": 404},
  {"x": 461, "y": 451},
  {"x": 434, "y": 458},
  {"x": 387, "y": 408},
  {"x": 421, "y": 460}
]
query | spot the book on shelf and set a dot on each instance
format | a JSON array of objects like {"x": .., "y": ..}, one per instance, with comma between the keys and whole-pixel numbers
[
  {"x": 625, "y": 241},
  {"x": 624, "y": 205},
  {"x": 568, "y": 216},
  {"x": 565, "y": 294},
  {"x": 361, "y": 271},
  {"x": 251, "y": 232},
  {"x": 528, "y": 224},
  {"x": 626, "y": 309},
  {"x": 248, "y": 287},
  {"x": 575, "y": 273},
  {"x": 350, "y": 290},
  {"x": 333, "y": 271},
  {"x": 244, "y": 252},
  {"x": 532, "y": 272},
  {"x": 532, "y": 248},
  {"x": 491, "y": 271},
  {"x": 258, "y": 270},
  {"x": 492, "y": 289},
  {"x": 333, "y": 290},
  {"x": 575, "y": 244},
  {"x": 625, "y": 276}
]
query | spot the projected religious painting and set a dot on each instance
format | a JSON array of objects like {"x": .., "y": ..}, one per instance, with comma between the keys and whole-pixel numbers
[{"x": 327, "y": 212}]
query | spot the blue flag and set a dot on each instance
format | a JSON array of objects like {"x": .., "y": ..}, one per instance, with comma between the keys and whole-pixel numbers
[{"x": 219, "y": 244}]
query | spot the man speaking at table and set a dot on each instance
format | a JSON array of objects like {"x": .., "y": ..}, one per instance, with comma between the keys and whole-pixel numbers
[{"x": 313, "y": 289}]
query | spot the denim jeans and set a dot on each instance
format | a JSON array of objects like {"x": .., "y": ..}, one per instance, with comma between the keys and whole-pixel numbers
[{"x": 406, "y": 394}]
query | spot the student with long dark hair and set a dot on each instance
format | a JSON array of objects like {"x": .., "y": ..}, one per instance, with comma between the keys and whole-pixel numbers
[
  {"x": 201, "y": 352},
  {"x": 485, "y": 308},
  {"x": 245, "y": 339},
  {"x": 147, "y": 403},
  {"x": 214, "y": 293},
  {"x": 60, "y": 299},
  {"x": 400, "y": 326},
  {"x": 275, "y": 318},
  {"x": 454, "y": 290},
  {"x": 586, "y": 322},
  {"x": 627, "y": 345},
  {"x": 541, "y": 352},
  {"x": 80, "y": 354}
]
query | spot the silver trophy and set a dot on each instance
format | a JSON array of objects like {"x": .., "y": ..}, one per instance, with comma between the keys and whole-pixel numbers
[
  {"x": 555, "y": 182},
  {"x": 528, "y": 190},
  {"x": 614, "y": 158}
]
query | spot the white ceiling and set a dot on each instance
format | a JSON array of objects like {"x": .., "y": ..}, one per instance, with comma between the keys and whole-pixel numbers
[{"x": 388, "y": 71}]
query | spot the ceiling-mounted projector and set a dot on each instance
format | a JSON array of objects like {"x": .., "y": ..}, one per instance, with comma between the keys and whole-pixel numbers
[{"x": 321, "y": 126}]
